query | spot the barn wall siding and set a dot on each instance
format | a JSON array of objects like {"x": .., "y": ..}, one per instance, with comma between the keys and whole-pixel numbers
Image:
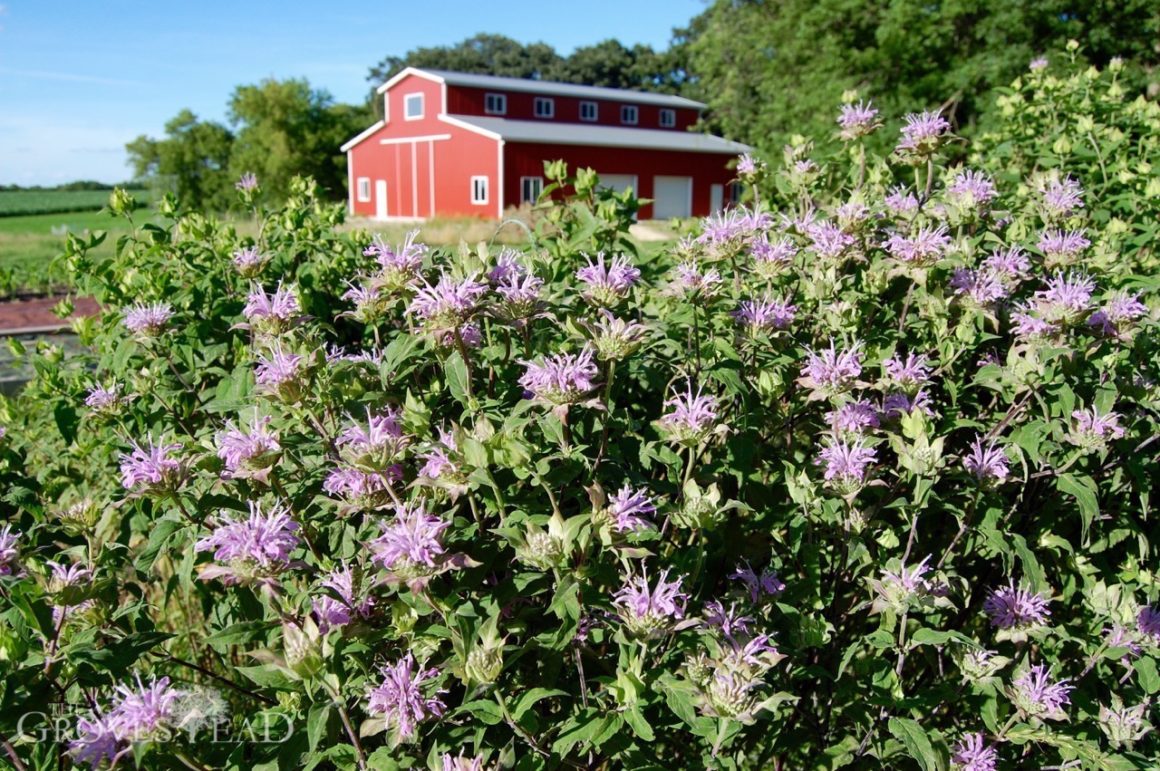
[
  {"x": 527, "y": 160},
  {"x": 520, "y": 106}
]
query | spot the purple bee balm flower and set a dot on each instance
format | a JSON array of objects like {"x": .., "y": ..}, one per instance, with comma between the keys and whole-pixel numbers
[
  {"x": 248, "y": 182},
  {"x": 857, "y": 120},
  {"x": 403, "y": 261},
  {"x": 630, "y": 510},
  {"x": 767, "y": 584},
  {"x": 691, "y": 417},
  {"x": 9, "y": 551},
  {"x": 988, "y": 464},
  {"x": 728, "y": 621},
  {"x": 144, "y": 712},
  {"x": 972, "y": 753},
  {"x": 846, "y": 464},
  {"x": 1028, "y": 325},
  {"x": 649, "y": 612},
  {"x": 1148, "y": 623},
  {"x": 1092, "y": 429},
  {"x": 1009, "y": 265},
  {"x": 375, "y": 445},
  {"x": 249, "y": 261},
  {"x": 1062, "y": 198},
  {"x": 148, "y": 320},
  {"x": 449, "y": 303},
  {"x": 831, "y": 371},
  {"x": 507, "y": 266},
  {"x": 910, "y": 373},
  {"x": 152, "y": 467},
  {"x": 746, "y": 165},
  {"x": 257, "y": 546},
  {"x": 1012, "y": 607},
  {"x": 897, "y": 589},
  {"x": 922, "y": 134},
  {"x": 1118, "y": 314},
  {"x": 607, "y": 283},
  {"x": 772, "y": 256},
  {"x": 333, "y": 611},
  {"x": 853, "y": 418},
  {"x": 980, "y": 288},
  {"x": 1117, "y": 636},
  {"x": 274, "y": 311},
  {"x": 727, "y": 231},
  {"x": 565, "y": 378},
  {"x": 370, "y": 304},
  {"x": 1062, "y": 246},
  {"x": 923, "y": 248},
  {"x": 400, "y": 698},
  {"x": 96, "y": 742},
  {"x": 1066, "y": 297},
  {"x": 1037, "y": 64},
  {"x": 104, "y": 399},
  {"x": 62, "y": 577},
  {"x": 901, "y": 202},
  {"x": 281, "y": 373},
  {"x": 248, "y": 452},
  {"x": 521, "y": 295},
  {"x": 1036, "y": 694},
  {"x": 413, "y": 538},
  {"x": 764, "y": 315},
  {"x": 688, "y": 279},
  {"x": 971, "y": 190},
  {"x": 829, "y": 241},
  {"x": 438, "y": 462},
  {"x": 460, "y": 763},
  {"x": 898, "y": 404},
  {"x": 361, "y": 489},
  {"x": 851, "y": 214}
]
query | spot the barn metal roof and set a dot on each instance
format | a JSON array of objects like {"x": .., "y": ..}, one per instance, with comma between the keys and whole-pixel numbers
[
  {"x": 472, "y": 80},
  {"x": 550, "y": 132}
]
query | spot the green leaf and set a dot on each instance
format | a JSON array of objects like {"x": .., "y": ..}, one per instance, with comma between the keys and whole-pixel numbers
[
  {"x": 638, "y": 724},
  {"x": 485, "y": 711},
  {"x": 529, "y": 699},
  {"x": 917, "y": 743},
  {"x": 1084, "y": 491},
  {"x": 316, "y": 724},
  {"x": 1149, "y": 677},
  {"x": 159, "y": 535},
  {"x": 457, "y": 380}
]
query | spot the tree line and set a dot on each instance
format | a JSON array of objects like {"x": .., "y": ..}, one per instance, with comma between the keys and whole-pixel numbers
[{"x": 765, "y": 70}]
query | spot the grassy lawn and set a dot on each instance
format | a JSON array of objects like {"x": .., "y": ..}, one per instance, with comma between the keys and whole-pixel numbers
[
  {"x": 22, "y": 202},
  {"x": 30, "y": 244}
]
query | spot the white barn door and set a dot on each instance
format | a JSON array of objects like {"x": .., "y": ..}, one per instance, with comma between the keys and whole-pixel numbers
[
  {"x": 619, "y": 182},
  {"x": 672, "y": 197},
  {"x": 380, "y": 199}
]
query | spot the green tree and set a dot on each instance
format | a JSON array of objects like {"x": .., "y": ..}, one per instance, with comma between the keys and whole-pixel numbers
[
  {"x": 286, "y": 129},
  {"x": 192, "y": 160},
  {"x": 483, "y": 53},
  {"x": 767, "y": 69},
  {"x": 612, "y": 64}
]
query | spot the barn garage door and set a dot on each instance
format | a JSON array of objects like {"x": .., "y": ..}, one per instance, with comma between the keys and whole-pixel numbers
[
  {"x": 672, "y": 197},
  {"x": 619, "y": 182}
]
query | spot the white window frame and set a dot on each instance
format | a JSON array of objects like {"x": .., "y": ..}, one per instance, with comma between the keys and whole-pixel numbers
[
  {"x": 363, "y": 189},
  {"x": 595, "y": 112},
  {"x": 539, "y": 184},
  {"x": 482, "y": 181},
  {"x": 668, "y": 118},
  {"x": 542, "y": 101},
  {"x": 407, "y": 99},
  {"x": 501, "y": 101},
  {"x": 629, "y": 109}
]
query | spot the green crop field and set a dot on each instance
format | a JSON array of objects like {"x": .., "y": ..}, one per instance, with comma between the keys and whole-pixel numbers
[
  {"x": 30, "y": 244},
  {"x": 22, "y": 202}
]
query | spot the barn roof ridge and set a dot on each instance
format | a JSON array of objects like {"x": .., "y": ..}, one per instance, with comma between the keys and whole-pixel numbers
[
  {"x": 546, "y": 87},
  {"x": 548, "y": 132}
]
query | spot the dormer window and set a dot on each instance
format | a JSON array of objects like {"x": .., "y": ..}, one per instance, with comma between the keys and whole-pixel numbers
[
  {"x": 588, "y": 111},
  {"x": 668, "y": 118},
  {"x": 545, "y": 107},
  {"x": 495, "y": 104},
  {"x": 413, "y": 106},
  {"x": 629, "y": 115}
]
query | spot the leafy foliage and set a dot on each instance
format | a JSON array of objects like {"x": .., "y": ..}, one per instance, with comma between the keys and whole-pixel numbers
[{"x": 862, "y": 475}]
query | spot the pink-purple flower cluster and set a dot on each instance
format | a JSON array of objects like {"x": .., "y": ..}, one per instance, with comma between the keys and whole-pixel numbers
[
  {"x": 922, "y": 134},
  {"x": 607, "y": 282},
  {"x": 765, "y": 315},
  {"x": 630, "y": 510},
  {"x": 153, "y": 468},
  {"x": 846, "y": 464},
  {"x": 343, "y": 604},
  {"x": 249, "y": 261},
  {"x": 1036, "y": 694},
  {"x": 9, "y": 551},
  {"x": 411, "y": 543},
  {"x": 566, "y": 378},
  {"x": 1013, "y": 607},
  {"x": 248, "y": 452},
  {"x": 691, "y": 417},
  {"x": 857, "y": 120},
  {"x": 922, "y": 248},
  {"x": 649, "y": 612},
  {"x": 375, "y": 445},
  {"x": 148, "y": 321},
  {"x": 759, "y": 585},
  {"x": 271, "y": 313},
  {"x": 830, "y": 371},
  {"x": 972, "y": 753},
  {"x": 972, "y": 191},
  {"x": 137, "y": 715},
  {"x": 257, "y": 546},
  {"x": 987, "y": 462},
  {"x": 400, "y": 697}
]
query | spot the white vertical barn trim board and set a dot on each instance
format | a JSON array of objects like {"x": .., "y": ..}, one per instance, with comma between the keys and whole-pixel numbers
[
  {"x": 414, "y": 180},
  {"x": 499, "y": 192},
  {"x": 350, "y": 182},
  {"x": 431, "y": 176}
]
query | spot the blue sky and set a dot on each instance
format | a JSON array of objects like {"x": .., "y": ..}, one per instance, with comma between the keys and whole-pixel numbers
[{"x": 80, "y": 78}]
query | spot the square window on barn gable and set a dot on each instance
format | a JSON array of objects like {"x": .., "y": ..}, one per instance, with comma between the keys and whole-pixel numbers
[
  {"x": 479, "y": 190},
  {"x": 364, "y": 189},
  {"x": 588, "y": 111},
  {"x": 545, "y": 107},
  {"x": 412, "y": 106},
  {"x": 629, "y": 114},
  {"x": 668, "y": 118},
  {"x": 495, "y": 104}
]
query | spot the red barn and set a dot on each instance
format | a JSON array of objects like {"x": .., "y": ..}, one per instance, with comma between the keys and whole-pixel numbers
[{"x": 453, "y": 143}]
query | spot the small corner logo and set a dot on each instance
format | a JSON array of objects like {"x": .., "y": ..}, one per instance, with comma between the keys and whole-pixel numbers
[{"x": 198, "y": 708}]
